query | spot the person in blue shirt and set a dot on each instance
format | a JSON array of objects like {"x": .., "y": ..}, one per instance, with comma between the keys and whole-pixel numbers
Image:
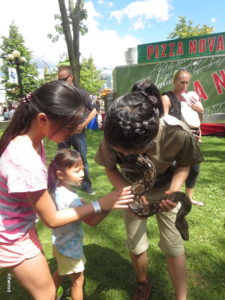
[{"x": 66, "y": 171}]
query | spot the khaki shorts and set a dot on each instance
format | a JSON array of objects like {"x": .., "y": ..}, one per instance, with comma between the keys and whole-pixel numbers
[
  {"x": 68, "y": 265},
  {"x": 170, "y": 241}
]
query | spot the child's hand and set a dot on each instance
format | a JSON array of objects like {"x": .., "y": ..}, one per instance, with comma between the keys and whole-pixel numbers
[{"x": 117, "y": 199}]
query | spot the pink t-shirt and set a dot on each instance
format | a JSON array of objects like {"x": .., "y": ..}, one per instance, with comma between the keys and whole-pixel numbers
[{"x": 22, "y": 170}]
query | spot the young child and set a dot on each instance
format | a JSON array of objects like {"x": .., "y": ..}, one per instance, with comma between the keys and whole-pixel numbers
[
  {"x": 135, "y": 125},
  {"x": 65, "y": 172},
  {"x": 53, "y": 111}
]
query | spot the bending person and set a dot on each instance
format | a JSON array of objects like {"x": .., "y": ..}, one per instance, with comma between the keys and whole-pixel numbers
[
  {"x": 172, "y": 101},
  {"x": 134, "y": 125}
]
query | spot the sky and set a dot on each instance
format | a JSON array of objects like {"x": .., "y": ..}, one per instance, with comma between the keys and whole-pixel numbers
[{"x": 113, "y": 26}]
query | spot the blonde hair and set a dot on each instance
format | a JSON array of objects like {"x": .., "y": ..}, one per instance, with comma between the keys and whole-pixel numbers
[{"x": 180, "y": 72}]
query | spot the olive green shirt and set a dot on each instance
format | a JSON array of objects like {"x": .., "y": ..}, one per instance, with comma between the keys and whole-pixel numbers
[{"x": 174, "y": 144}]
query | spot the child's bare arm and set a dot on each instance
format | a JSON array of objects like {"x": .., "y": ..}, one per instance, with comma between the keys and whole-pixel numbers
[
  {"x": 99, "y": 216},
  {"x": 44, "y": 206}
]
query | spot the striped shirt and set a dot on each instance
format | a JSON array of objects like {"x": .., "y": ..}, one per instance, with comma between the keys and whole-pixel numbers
[{"x": 22, "y": 170}]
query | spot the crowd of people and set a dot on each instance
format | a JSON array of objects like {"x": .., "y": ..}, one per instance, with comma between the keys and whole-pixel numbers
[
  {"x": 140, "y": 122},
  {"x": 7, "y": 111}
]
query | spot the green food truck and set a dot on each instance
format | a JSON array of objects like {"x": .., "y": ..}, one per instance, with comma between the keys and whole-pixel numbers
[{"x": 202, "y": 56}]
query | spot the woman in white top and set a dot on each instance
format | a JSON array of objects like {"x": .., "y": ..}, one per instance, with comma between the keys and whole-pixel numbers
[{"x": 185, "y": 106}]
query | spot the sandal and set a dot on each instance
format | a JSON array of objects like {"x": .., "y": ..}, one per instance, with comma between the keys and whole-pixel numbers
[
  {"x": 198, "y": 203},
  {"x": 143, "y": 291}
]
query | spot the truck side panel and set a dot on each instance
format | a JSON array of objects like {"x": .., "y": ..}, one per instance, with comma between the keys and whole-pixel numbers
[{"x": 208, "y": 78}]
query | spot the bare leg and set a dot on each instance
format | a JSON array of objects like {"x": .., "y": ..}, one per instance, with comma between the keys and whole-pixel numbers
[
  {"x": 191, "y": 182},
  {"x": 189, "y": 192},
  {"x": 35, "y": 276},
  {"x": 140, "y": 264},
  {"x": 57, "y": 279},
  {"x": 177, "y": 271},
  {"x": 77, "y": 280}
]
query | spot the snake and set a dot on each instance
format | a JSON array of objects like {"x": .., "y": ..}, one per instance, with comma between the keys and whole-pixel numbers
[{"x": 147, "y": 178}]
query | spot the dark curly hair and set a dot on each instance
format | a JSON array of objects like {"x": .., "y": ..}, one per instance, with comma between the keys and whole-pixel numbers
[
  {"x": 148, "y": 87},
  {"x": 132, "y": 121}
]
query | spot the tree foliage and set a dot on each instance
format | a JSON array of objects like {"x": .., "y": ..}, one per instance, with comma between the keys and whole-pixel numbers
[
  {"x": 90, "y": 77},
  {"x": 59, "y": 28},
  {"x": 29, "y": 72},
  {"x": 71, "y": 25},
  {"x": 185, "y": 29}
]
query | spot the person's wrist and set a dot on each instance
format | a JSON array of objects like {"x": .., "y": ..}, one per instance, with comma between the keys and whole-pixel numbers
[{"x": 96, "y": 207}]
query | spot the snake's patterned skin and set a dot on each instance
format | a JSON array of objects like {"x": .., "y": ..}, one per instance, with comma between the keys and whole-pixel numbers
[{"x": 147, "y": 172}]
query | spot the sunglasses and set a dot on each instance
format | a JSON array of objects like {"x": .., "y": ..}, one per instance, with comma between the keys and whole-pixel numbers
[
  {"x": 184, "y": 82},
  {"x": 65, "y": 78}
]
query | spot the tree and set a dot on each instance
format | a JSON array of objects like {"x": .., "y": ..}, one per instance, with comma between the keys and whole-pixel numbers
[
  {"x": 29, "y": 72},
  {"x": 90, "y": 77},
  {"x": 185, "y": 29},
  {"x": 71, "y": 26}
]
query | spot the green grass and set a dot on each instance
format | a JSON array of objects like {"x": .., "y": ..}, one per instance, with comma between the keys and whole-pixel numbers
[
  {"x": 3, "y": 125},
  {"x": 109, "y": 274}
]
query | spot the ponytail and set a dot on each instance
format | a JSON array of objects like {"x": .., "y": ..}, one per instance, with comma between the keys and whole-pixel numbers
[{"x": 147, "y": 86}]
